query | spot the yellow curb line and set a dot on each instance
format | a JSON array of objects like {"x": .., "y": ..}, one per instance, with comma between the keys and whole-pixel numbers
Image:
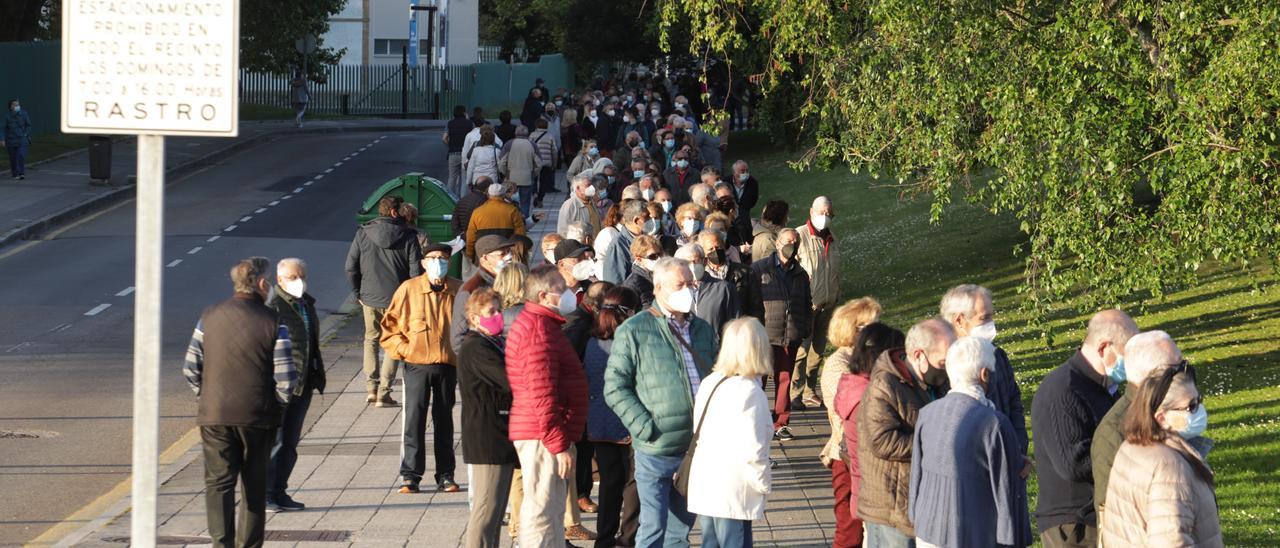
[{"x": 112, "y": 504}]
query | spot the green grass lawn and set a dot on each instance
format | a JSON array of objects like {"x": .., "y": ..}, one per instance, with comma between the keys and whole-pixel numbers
[{"x": 1224, "y": 325}]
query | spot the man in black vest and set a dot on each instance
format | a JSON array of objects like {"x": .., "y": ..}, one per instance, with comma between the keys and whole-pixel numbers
[{"x": 240, "y": 365}]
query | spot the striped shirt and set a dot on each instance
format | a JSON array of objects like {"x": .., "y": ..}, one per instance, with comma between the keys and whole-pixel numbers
[
  {"x": 284, "y": 372},
  {"x": 681, "y": 329}
]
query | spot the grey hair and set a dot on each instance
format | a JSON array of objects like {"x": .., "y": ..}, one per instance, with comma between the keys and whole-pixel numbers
[
  {"x": 669, "y": 264},
  {"x": 577, "y": 230},
  {"x": 522, "y": 131},
  {"x": 246, "y": 274},
  {"x": 542, "y": 279},
  {"x": 690, "y": 252},
  {"x": 821, "y": 201},
  {"x": 961, "y": 299},
  {"x": 291, "y": 261},
  {"x": 722, "y": 185},
  {"x": 631, "y": 192},
  {"x": 632, "y": 209},
  {"x": 925, "y": 335},
  {"x": 742, "y": 163},
  {"x": 497, "y": 189},
  {"x": 788, "y": 230},
  {"x": 966, "y": 358},
  {"x": 1147, "y": 352},
  {"x": 698, "y": 192},
  {"x": 580, "y": 180}
]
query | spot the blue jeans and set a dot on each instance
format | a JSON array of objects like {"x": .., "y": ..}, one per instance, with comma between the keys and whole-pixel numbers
[
  {"x": 886, "y": 536},
  {"x": 526, "y": 200},
  {"x": 17, "y": 159},
  {"x": 664, "y": 520},
  {"x": 725, "y": 532},
  {"x": 285, "y": 453}
]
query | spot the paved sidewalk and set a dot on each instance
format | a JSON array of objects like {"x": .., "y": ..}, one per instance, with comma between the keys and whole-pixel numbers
[
  {"x": 58, "y": 190},
  {"x": 349, "y": 460}
]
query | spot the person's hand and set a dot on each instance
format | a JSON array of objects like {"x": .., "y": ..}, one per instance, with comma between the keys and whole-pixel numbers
[
  {"x": 744, "y": 248},
  {"x": 564, "y": 464},
  {"x": 1026, "y": 467},
  {"x": 626, "y": 441}
]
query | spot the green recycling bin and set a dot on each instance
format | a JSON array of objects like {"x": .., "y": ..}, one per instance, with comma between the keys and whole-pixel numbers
[{"x": 435, "y": 208}]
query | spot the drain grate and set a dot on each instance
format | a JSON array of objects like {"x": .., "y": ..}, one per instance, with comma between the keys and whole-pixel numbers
[
  {"x": 25, "y": 434},
  {"x": 273, "y": 535}
]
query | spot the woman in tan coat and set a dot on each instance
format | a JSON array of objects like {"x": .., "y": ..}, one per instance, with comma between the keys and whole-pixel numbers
[{"x": 1161, "y": 488}]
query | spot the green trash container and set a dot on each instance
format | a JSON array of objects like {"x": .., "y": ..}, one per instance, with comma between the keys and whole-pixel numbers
[{"x": 435, "y": 208}]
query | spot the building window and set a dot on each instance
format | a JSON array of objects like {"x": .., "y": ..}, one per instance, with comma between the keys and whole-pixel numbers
[{"x": 383, "y": 46}]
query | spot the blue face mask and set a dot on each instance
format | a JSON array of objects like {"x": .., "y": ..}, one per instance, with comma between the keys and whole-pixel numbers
[
  {"x": 593, "y": 151},
  {"x": 637, "y": 173},
  {"x": 1116, "y": 372},
  {"x": 610, "y": 178},
  {"x": 651, "y": 227},
  {"x": 1197, "y": 423},
  {"x": 670, "y": 143},
  {"x": 682, "y": 164}
]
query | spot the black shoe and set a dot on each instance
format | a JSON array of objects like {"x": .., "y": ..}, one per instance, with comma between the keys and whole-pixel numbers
[
  {"x": 798, "y": 403},
  {"x": 447, "y": 485},
  {"x": 286, "y": 503},
  {"x": 537, "y": 203},
  {"x": 783, "y": 434},
  {"x": 273, "y": 508}
]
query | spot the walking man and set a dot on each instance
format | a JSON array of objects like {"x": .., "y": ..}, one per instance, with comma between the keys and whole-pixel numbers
[
  {"x": 415, "y": 329},
  {"x": 657, "y": 362},
  {"x": 384, "y": 253},
  {"x": 240, "y": 365},
  {"x": 297, "y": 310},
  {"x": 819, "y": 256}
]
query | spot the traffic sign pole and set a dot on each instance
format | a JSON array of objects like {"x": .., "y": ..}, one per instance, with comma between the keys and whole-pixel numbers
[{"x": 148, "y": 274}]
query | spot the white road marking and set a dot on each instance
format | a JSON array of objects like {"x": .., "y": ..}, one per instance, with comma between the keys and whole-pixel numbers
[
  {"x": 246, "y": 218},
  {"x": 318, "y": 177},
  {"x": 195, "y": 250},
  {"x": 18, "y": 347},
  {"x": 213, "y": 238},
  {"x": 337, "y": 164},
  {"x": 286, "y": 196},
  {"x": 260, "y": 210},
  {"x": 61, "y": 328},
  {"x": 125, "y": 292},
  {"x": 297, "y": 190},
  {"x": 308, "y": 183},
  {"x": 97, "y": 309},
  {"x": 274, "y": 203},
  {"x": 356, "y": 153},
  {"x": 175, "y": 262},
  {"x": 347, "y": 159},
  {"x": 330, "y": 170},
  {"x": 229, "y": 228}
]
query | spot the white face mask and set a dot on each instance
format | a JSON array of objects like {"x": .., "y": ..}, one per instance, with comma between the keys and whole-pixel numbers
[
  {"x": 819, "y": 221},
  {"x": 584, "y": 270},
  {"x": 698, "y": 270},
  {"x": 689, "y": 226},
  {"x": 648, "y": 264},
  {"x": 589, "y": 191},
  {"x": 296, "y": 287},
  {"x": 568, "y": 303},
  {"x": 681, "y": 301},
  {"x": 647, "y": 194},
  {"x": 985, "y": 331}
]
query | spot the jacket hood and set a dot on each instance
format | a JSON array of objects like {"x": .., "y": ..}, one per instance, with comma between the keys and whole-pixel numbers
[{"x": 385, "y": 232}]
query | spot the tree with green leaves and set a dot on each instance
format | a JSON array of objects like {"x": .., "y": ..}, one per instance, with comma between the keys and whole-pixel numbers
[
  {"x": 1135, "y": 141},
  {"x": 269, "y": 29}
]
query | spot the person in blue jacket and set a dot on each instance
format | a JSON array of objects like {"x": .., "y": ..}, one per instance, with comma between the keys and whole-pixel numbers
[{"x": 17, "y": 137}]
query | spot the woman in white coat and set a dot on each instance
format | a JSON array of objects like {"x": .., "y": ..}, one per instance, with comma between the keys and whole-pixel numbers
[
  {"x": 483, "y": 158},
  {"x": 729, "y": 477}
]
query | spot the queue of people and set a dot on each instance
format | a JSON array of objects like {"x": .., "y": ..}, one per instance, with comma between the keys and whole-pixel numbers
[{"x": 639, "y": 347}]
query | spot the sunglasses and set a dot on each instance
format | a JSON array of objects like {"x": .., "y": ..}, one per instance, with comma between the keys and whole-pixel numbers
[
  {"x": 1166, "y": 380},
  {"x": 653, "y": 256}
]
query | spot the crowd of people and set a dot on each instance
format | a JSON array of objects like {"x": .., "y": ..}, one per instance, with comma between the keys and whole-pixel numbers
[{"x": 638, "y": 349}]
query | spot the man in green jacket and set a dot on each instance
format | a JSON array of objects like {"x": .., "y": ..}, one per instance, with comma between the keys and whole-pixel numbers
[{"x": 658, "y": 359}]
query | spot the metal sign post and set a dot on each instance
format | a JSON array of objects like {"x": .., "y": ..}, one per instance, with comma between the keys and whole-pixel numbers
[
  {"x": 413, "y": 33},
  {"x": 149, "y": 70}
]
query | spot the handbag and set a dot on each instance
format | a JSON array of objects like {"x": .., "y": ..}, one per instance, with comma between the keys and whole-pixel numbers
[{"x": 681, "y": 480}]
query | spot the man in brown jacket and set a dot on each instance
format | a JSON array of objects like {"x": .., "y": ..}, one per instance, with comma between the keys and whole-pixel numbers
[
  {"x": 495, "y": 217},
  {"x": 901, "y": 384},
  {"x": 415, "y": 329}
]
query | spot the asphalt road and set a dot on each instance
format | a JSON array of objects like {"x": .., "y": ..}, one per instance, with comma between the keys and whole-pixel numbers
[{"x": 66, "y": 311}]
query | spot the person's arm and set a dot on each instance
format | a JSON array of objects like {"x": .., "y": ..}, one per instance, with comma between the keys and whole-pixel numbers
[
  {"x": 517, "y": 221},
  {"x": 562, "y": 220},
  {"x": 888, "y": 435},
  {"x": 353, "y": 265},
  {"x": 757, "y": 428},
  {"x": 415, "y": 257},
  {"x": 1005, "y": 484},
  {"x": 620, "y": 387},
  {"x": 490, "y": 368},
  {"x": 1062, "y": 434},
  {"x": 1013, "y": 399},
  {"x": 458, "y": 328},
  {"x": 755, "y": 295},
  {"x": 395, "y": 340},
  {"x": 472, "y": 228},
  {"x": 1171, "y": 506},
  {"x": 193, "y": 365},
  {"x": 286, "y": 374}
]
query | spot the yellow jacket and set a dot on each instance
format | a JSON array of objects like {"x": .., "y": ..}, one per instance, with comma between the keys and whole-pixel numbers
[{"x": 415, "y": 328}]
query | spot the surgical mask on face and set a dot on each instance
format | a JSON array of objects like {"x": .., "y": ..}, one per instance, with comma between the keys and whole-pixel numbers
[
  {"x": 655, "y": 112},
  {"x": 681, "y": 301},
  {"x": 666, "y": 206},
  {"x": 698, "y": 270},
  {"x": 502, "y": 263},
  {"x": 296, "y": 287},
  {"x": 1116, "y": 372},
  {"x": 610, "y": 178},
  {"x": 568, "y": 303},
  {"x": 647, "y": 194},
  {"x": 648, "y": 264},
  {"x": 716, "y": 256},
  {"x": 788, "y": 251},
  {"x": 637, "y": 173},
  {"x": 493, "y": 324},
  {"x": 1188, "y": 424},
  {"x": 629, "y": 120},
  {"x": 608, "y": 112},
  {"x": 669, "y": 143},
  {"x": 682, "y": 164},
  {"x": 589, "y": 191},
  {"x": 584, "y": 270},
  {"x": 437, "y": 268},
  {"x": 691, "y": 226},
  {"x": 742, "y": 177},
  {"x": 594, "y": 151},
  {"x": 985, "y": 331},
  {"x": 651, "y": 227},
  {"x": 593, "y": 117},
  {"x": 17, "y": 108},
  {"x": 935, "y": 377},
  {"x": 819, "y": 222},
  {"x": 559, "y": 103}
]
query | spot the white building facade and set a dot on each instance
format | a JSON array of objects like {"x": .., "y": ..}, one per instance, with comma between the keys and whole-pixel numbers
[{"x": 374, "y": 32}]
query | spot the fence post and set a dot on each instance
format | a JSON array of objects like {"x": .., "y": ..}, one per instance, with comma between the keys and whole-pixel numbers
[{"x": 404, "y": 82}]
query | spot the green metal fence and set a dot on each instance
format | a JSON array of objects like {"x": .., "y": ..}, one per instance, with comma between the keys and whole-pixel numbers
[
  {"x": 365, "y": 89},
  {"x": 31, "y": 72}
]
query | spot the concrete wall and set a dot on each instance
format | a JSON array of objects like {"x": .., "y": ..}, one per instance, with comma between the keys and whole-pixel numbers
[
  {"x": 32, "y": 73},
  {"x": 362, "y": 31},
  {"x": 462, "y": 31}
]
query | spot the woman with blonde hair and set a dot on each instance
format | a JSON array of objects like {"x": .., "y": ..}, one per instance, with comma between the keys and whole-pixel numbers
[
  {"x": 729, "y": 477},
  {"x": 1161, "y": 488},
  {"x": 846, "y": 322},
  {"x": 509, "y": 284}
]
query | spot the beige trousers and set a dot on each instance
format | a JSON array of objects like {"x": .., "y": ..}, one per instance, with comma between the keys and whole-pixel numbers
[{"x": 545, "y": 496}]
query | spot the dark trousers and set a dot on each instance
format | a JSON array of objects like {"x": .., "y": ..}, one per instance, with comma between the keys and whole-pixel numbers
[
  {"x": 848, "y": 526},
  {"x": 422, "y": 385},
  {"x": 1070, "y": 535},
  {"x": 615, "y": 472},
  {"x": 232, "y": 452},
  {"x": 285, "y": 453},
  {"x": 526, "y": 199},
  {"x": 784, "y": 362},
  {"x": 585, "y": 477},
  {"x": 17, "y": 159},
  {"x": 546, "y": 181}
]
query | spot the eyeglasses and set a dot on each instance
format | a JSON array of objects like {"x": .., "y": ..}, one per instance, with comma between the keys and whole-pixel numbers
[{"x": 653, "y": 256}]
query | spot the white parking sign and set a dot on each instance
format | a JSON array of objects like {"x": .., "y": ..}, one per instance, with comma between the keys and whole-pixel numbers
[{"x": 159, "y": 67}]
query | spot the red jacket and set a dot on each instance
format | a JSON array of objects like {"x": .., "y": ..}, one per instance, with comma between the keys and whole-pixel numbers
[
  {"x": 548, "y": 383},
  {"x": 848, "y": 398}
]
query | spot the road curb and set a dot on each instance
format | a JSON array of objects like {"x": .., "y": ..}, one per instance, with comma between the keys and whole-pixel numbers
[{"x": 174, "y": 174}]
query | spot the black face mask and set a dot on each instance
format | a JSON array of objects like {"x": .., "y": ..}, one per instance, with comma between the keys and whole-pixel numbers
[
  {"x": 788, "y": 251},
  {"x": 936, "y": 377},
  {"x": 716, "y": 257}
]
